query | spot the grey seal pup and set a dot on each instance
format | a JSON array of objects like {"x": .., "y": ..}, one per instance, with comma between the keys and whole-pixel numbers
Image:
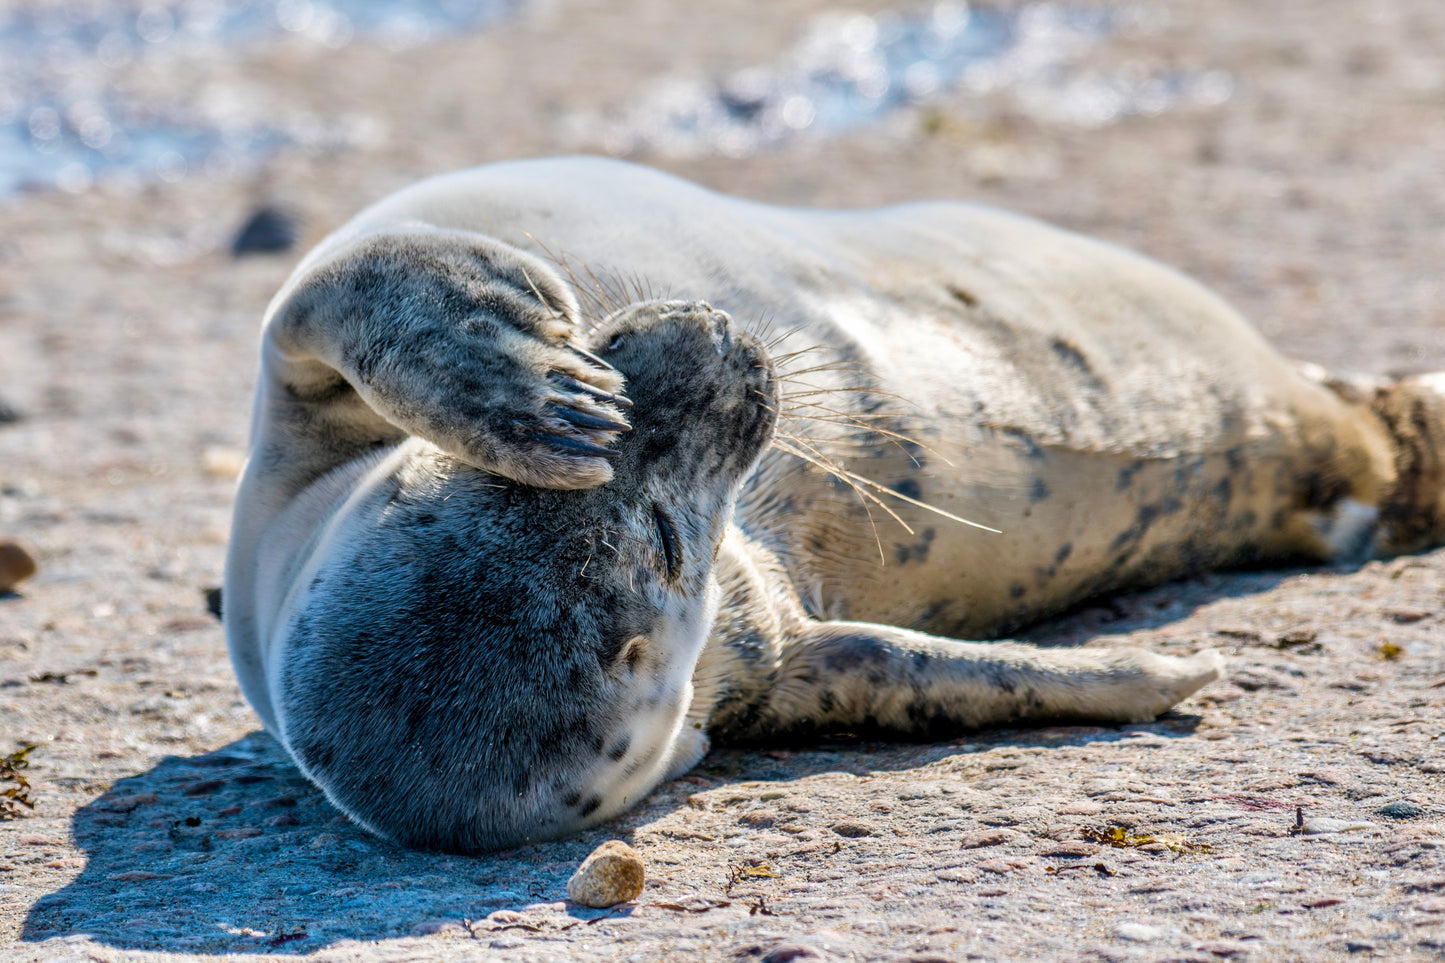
[{"x": 562, "y": 468}]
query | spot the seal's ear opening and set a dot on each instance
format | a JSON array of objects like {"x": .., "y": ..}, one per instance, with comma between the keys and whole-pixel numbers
[{"x": 633, "y": 656}]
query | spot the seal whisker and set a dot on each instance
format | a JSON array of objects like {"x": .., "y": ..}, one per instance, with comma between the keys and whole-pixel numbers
[
  {"x": 540, "y": 297},
  {"x": 599, "y": 300},
  {"x": 833, "y": 416},
  {"x": 589, "y": 356},
  {"x": 863, "y": 496},
  {"x": 821, "y": 460}
]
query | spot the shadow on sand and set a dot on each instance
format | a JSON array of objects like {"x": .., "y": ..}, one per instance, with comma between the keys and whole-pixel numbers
[{"x": 234, "y": 851}]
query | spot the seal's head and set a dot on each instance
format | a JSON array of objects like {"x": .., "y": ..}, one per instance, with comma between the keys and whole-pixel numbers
[{"x": 478, "y": 664}]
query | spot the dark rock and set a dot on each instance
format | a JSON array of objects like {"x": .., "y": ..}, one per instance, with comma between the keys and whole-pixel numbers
[
  {"x": 16, "y": 565},
  {"x": 213, "y": 601},
  {"x": 269, "y": 230},
  {"x": 1401, "y": 810}
]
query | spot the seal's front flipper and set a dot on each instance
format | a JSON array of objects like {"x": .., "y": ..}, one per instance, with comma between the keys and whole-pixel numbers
[
  {"x": 862, "y": 678},
  {"x": 455, "y": 338}
]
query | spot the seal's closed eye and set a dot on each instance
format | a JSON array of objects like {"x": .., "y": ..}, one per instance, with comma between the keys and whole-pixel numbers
[{"x": 671, "y": 545}]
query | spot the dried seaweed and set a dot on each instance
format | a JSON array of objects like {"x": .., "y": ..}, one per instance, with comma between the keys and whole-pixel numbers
[
  {"x": 16, "y": 791},
  {"x": 1389, "y": 651},
  {"x": 1121, "y": 838},
  {"x": 747, "y": 871}
]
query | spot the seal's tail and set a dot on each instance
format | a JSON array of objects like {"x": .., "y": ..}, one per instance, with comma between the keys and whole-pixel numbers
[{"x": 1413, "y": 410}]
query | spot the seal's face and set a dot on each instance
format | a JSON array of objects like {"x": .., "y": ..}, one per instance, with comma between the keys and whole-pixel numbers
[{"x": 479, "y": 663}]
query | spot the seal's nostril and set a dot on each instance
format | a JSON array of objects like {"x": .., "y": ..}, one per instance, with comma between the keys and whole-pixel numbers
[{"x": 723, "y": 334}]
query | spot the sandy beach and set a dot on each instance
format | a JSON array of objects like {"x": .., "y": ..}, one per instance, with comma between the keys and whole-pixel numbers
[{"x": 1290, "y": 155}]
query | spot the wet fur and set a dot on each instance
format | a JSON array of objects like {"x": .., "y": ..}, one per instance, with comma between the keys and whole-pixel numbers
[{"x": 489, "y": 588}]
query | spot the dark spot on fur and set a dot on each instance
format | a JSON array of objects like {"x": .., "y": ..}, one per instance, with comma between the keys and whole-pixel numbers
[
  {"x": 590, "y": 806},
  {"x": 1069, "y": 353},
  {"x": 1130, "y": 537},
  {"x": 1025, "y": 441},
  {"x": 1318, "y": 490},
  {"x": 908, "y": 488},
  {"x": 1016, "y": 590},
  {"x": 1039, "y": 491},
  {"x": 963, "y": 296},
  {"x": 1126, "y": 475},
  {"x": 1224, "y": 491},
  {"x": 916, "y": 552},
  {"x": 1062, "y": 555},
  {"x": 853, "y": 653},
  {"x": 572, "y": 799},
  {"x": 618, "y": 751},
  {"x": 929, "y": 615},
  {"x": 643, "y": 760}
]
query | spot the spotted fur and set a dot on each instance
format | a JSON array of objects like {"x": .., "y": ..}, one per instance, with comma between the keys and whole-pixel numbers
[{"x": 499, "y": 564}]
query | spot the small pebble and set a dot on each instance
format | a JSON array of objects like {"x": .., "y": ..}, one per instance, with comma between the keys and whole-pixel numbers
[
  {"x": 1326, "y": 824},
  {"x": 16, "y": 565},
  {"x": 1401, "y": 810},
  {"x": 852, "y": 830},
  {"x": 1072, "y": 849},
  {"x": 223, "y": 463},
  {"x": 1081, "y": 808},
  {"x": 446, "y": 929},
  {"x": 791, "y": 952},
  {"x": 1138, "y": 932},
  {"x": 612, "y": 874},
  {"x": 985, "y": 837}
]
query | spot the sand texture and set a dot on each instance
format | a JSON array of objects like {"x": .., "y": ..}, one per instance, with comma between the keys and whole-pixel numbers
[{"x": 167, "y": 826}]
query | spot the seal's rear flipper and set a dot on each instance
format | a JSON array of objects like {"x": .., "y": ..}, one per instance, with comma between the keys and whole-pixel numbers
[
  {"x": 1413, "y": 516},
  {"x": 862, "y": 678}
]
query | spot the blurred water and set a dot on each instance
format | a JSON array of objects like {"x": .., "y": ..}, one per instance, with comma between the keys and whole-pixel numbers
[
  {"x": 84, "y": 91},
  {"x": 71, "y": 112},
  {"x": 852, "y": 70}
]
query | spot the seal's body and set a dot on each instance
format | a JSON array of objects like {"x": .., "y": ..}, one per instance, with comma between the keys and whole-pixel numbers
[{"x": 496, "y": 571}]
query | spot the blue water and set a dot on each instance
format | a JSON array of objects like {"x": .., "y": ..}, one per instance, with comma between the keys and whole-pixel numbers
[
  {"x": 853, "y": 70},
  {"x": 68, "y": 120},
  {"x": 72, "y": 111}
]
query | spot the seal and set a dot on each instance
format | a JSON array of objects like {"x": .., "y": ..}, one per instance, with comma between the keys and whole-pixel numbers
[{"x": 561, "y": 469}]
